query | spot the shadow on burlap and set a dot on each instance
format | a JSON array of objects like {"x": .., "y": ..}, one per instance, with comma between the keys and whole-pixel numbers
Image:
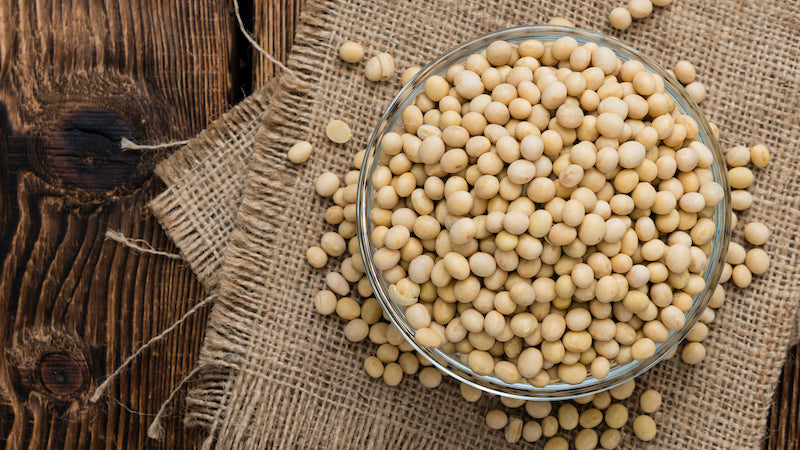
[{"x": 280, "y": 375}]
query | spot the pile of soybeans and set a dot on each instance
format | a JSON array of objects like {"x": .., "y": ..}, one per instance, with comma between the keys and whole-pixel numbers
[{"x": 544, "y": 214}]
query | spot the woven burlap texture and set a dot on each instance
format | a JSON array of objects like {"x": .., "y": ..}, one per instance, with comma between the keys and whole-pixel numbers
[
  {"x": 281, "y": 376},
  {"x": 204, "y": 181}
]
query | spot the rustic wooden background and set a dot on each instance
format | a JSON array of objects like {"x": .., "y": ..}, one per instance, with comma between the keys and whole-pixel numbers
[{"x": 76, "y": 76}]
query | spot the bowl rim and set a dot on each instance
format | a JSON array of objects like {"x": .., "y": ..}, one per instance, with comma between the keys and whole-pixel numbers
[{"x": 449, "y": 364}]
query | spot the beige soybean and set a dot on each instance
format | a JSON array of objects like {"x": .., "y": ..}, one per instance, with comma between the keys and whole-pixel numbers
[
  {"x": 600, "y": 367},
  {"x": 530, "y": 362},
  {"x": 513, "y": 430},
  {"x": 693, "y": 353},
  {"x": 685, "y": 72},
  {"x": 602, "y": 400},
  {"x": 556, "y": 443},
  {"x": 586, "y": 439},
  {"x": 538, "y": 409},
  {"x": 496, "y": 419},
  {"x": 428, "y": 337},
  {"x": 327, "y": 184},
  {"x": 380, "y": 67},
  {"x": 356, "y": 330},
  {"x": 299, "y": 152},
  {"x": 347, "y": 308},
  {"x": 697, "y": 91},
  {"x": 507, "y": 372},
  {"x": 610, "y": 438},
  {"x": 643, "y": 349},
  {"x": 418, "y": 316},
  {"x": 470, "y": 393},
  {"x": 741, "y": 276},
  {"x": 650, "y": 401},
  {"x": 574, "y": 373},
  {"x": 393, "y": 374},
  {"x": 407, "y": 361},
  {"x": 531, "y": 431},
  {"x": 512, "y": 402},
  {"x": 430, "y": 377},
  {"x": 561, "y": 21},
  {"x": 316, "y": 257},
  {"x": 756, "y": 233},
  {"x": 741, "y": 200},
  {"x": 623, "y": 391},
  {"x": 737, "y": 156},
  {"x": 759, "y": 155},
  {"x": 591, "y": 418},
  {"x": 338, "y": 131},
  {"x": 740, "y": 177},
  {"x": 481, "y": 362},
  {"x": 644, "y": 427},
  {"x": 616, "y": 415},
  {"x": 620, "y": 18},
  {"x": 374, "y": 366},
  {"x": 672, "y": 317},
  {"x": 568, "y": 416},
  {"x": 640, "y": 8},
  {"x": 351, "y": 52},
  {"x": 757, "y": 261},
  {"x": 325, "y": 302}
]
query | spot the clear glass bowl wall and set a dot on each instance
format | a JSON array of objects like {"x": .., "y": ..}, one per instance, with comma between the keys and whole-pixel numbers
[{"x": 450, "y": 364}]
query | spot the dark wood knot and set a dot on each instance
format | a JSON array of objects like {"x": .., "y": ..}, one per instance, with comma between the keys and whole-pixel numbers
[
  {"x": 50, "y": 363},
  {"x": 61, "y": 374},
  {"x": 83, "y": 150}
]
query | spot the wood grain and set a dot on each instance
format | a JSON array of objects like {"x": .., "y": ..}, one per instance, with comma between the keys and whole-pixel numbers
[
  {"x": 274, "y": 27},
  {"x": 75, "y": 77},
  {"x": 784, "y": 418}
]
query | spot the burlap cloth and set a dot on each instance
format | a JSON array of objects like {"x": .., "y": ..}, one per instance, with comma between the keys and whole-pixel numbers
[
  {"x": 204, "y": 181},
  {"x": 279, "y": 375}
]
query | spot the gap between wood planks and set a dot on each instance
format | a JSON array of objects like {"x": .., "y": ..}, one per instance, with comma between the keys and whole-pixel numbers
[{"x": 243, "y": 69}]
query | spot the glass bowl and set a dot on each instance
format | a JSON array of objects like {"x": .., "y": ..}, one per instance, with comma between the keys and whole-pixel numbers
[{"x": 450, "y": 364}]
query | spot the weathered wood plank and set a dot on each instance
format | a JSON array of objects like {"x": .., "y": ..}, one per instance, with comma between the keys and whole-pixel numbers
[
  {"x": 784, "y": 420},
  {"x": 274, "y": 27},
  {"x": 75, "y": 77}
]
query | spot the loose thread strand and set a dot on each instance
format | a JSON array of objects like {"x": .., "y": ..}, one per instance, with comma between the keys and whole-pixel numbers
[
  {"x": 139, "y": 245},
  {"x": 104, "y": 386},
  {"x": 127, "y": 144},
  {"x": 155, "y": 430},
  {"x": 253, "y": 41}
]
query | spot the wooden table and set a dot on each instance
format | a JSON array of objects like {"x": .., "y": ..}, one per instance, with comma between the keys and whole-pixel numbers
[{"x": 74, "y": 78}]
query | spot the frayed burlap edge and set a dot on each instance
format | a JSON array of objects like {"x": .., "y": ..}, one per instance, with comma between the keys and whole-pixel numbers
[{"x": 204, "y": 182}]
